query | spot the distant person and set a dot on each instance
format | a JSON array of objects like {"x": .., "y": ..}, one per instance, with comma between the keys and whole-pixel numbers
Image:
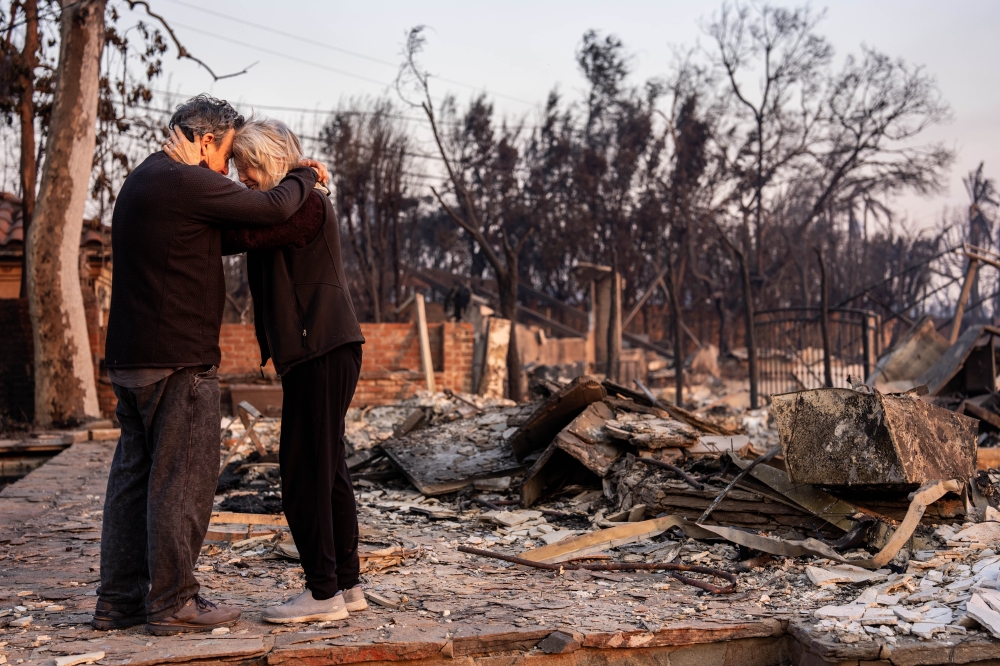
[
  {"x": 306, "y": 324},
  {"x": 162, "y": 354}
]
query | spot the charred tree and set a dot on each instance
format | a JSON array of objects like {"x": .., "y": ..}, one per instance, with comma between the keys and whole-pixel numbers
[{"x": 497, "y": 241}]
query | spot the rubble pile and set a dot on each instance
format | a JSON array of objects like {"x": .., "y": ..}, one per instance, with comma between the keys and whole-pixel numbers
[
  {"x": 367, "y": 427},
  {"x": 858, "y": 514}
]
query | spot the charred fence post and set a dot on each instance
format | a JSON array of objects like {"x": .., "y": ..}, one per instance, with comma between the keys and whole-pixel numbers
[
  {"x": 956, "y": 322},
  {"x": 750, "y": 333},
  {"x": 866, "y": 345},
  {"x": 825, "y": 321}
]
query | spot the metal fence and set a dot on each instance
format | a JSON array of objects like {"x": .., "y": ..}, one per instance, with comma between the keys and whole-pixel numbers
[{"x": 790, "y": 348}]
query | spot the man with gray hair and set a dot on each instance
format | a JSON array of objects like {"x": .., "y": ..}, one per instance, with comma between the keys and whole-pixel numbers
[{"x": 162, "y": 353}]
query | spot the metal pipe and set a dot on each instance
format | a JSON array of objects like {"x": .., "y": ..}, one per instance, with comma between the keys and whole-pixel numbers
[{"x": 669, "y": 567}]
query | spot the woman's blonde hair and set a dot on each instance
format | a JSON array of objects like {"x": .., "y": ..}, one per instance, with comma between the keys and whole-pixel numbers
[{"x": 268, "y": 146}]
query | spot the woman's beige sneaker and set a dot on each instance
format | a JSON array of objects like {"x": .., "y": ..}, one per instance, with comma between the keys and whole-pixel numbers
[
  {"x": 304, "y": 608},
  {"x": 354, "y": 599}
]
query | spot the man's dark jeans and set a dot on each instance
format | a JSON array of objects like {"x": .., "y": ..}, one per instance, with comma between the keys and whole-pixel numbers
[{"x": 160, "y": 492}]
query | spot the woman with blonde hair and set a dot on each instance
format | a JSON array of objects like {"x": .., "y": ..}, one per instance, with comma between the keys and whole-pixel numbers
[{"x": 307, "y": 325}]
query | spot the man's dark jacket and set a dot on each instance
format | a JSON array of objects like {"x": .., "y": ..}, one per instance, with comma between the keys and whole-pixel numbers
[
  {"x": 168, "y": 288},
  {"x": 302, "y": 307}
]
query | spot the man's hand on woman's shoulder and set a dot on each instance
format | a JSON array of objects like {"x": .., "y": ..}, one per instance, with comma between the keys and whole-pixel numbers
[{"x": 319, "y": 168}]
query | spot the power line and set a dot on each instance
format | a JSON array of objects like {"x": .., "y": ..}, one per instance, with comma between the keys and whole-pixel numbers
[
  {"x": 216, "y": 35},
  {"x": 299, "y": 109},
  {"x": 318, "y": 140},
  {"x": 305, "y": 137},
  {"x": 338, "y": 49}
]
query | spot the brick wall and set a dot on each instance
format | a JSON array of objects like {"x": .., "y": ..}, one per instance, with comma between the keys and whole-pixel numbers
[
  {"x": 390, "y": 370},
  {"x": 240, "y": 351}
]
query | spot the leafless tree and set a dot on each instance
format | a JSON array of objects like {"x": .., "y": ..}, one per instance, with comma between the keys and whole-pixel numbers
[
  {"x": 498, "y": 238},
  {"x": 371, "y": 154}
]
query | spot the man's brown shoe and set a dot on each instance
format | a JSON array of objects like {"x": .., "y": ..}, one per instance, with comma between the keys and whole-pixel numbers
[
  {"x": 107, "y": 617},
  {"x": 198, "y": 614}
]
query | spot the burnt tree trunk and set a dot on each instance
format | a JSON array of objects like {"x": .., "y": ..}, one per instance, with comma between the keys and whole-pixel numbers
[
  {"x": 65, "y": 390},
  {"x": 26, "y": 111},
  {"x": 507, "y": 283}
]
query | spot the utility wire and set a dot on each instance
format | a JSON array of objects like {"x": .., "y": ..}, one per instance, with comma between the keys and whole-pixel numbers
[
  {"x": 216, "y": 35},
  {"x": 331, "y": 47},
  {"x": 319, "y": 112}
]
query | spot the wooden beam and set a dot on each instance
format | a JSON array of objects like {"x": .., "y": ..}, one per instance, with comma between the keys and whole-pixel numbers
[
  {"x": 687, "y": 330},
  {"x": 982, "y": 254},
  {"x": 645, "y": 344},
  {"x": 425, "y": 343},
  {"x": 229, "y": 518},
  {"x": 982, "y": 414},
  {"x": 970, "y": 277},
  {"x": 559, "y": 326},
  {"x": 645, "y": 296}
]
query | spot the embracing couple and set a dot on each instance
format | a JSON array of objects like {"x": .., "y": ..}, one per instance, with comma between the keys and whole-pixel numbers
[{"x": 175, "y": 217}]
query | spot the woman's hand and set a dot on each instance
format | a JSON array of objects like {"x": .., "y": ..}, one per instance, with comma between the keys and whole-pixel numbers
[
  {"x": 319, "y": 167},
  {"x": 181, "y": 150}
]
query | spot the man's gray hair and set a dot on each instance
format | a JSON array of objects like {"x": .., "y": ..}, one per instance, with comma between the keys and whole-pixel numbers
[{"x": 205, "y": 114}]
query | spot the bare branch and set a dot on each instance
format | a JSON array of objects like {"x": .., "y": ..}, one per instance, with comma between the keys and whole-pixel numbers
[{"x": 181, "y": 51}]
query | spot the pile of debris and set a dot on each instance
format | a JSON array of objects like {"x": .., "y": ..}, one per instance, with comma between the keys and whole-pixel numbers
[
  {"x": 960, "y": 375},
  {"x": 852, "y": 486}
]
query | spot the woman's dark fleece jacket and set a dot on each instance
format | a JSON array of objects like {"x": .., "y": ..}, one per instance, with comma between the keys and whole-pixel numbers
[{"x": 302, "y": 308}]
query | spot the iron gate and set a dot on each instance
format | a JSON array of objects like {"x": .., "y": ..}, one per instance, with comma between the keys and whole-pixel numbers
[{"x": 790, "y": 349}]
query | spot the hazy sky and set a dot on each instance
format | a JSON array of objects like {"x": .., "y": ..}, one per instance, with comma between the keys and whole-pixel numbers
[{"x": 518, "y": 51}]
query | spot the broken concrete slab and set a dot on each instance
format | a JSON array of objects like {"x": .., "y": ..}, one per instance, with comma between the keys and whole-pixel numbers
[
  {"x": 982, "y": 533},
  {"x": 842, "y": 573},
  {"x": 927, "y": 630},
  {"x": 844, "y": 437},
  {"x": 841, "y": 613},
  {"x": 512, "y": 518},
  {"x": 878, "y": 616},
  {"x": 554, "y": 414},
  {"x": 984, "y": 608}
]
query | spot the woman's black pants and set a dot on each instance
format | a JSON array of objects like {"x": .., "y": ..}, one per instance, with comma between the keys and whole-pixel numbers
[{"x": 316, "y": 489}]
